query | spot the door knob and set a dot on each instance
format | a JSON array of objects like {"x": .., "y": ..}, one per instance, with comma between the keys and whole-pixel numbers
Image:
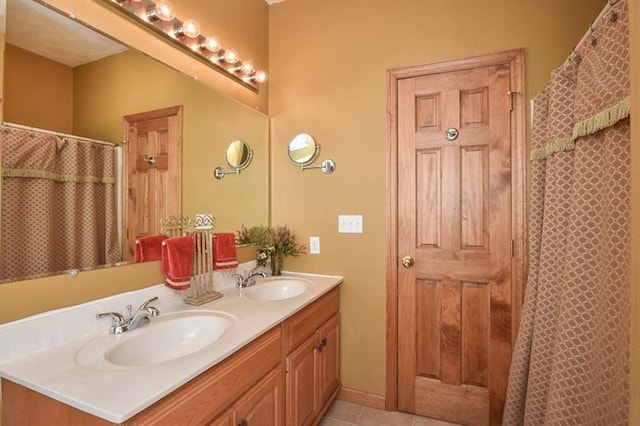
[
  {"x": 451, "y": 134},
  {"x": 408, "y": 261}
]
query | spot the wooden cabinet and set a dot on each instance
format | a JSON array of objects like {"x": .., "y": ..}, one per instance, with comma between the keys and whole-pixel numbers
[
  {"x": 313, "y": 366},
  {"x": 261, "y": 406}
]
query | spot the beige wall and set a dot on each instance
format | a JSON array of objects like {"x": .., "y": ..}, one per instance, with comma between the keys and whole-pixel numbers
[
  {"x": 634, "y": 32},
  {"x": 328, "y": 78},
  {"x": 39, "y": 92}
]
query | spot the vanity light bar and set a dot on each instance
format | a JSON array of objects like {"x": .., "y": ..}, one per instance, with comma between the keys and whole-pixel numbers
[{"x": 159, "y": 16}]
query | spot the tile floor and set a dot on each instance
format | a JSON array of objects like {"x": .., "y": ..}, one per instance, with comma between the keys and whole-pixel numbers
[{"x": 342, "y": 413}]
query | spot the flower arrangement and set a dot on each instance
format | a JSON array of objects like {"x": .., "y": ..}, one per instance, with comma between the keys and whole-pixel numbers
[{"x": 277, "y": 242}]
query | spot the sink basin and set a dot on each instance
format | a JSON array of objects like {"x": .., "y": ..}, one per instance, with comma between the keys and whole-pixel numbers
[
  {"x": 167, "y": 338},
  {"x": 277, "y": 289}
]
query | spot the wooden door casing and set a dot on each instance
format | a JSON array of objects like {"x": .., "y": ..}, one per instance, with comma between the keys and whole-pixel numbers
[
  {"x": 456, "y": 206},
  {"x": 153, "y": 188}
]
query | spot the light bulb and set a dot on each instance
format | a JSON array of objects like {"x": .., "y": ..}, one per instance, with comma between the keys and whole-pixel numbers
[
  {"x": 260, "y": 76},
  {"x": 211, "y": 44},
  {"x": 164, "y": 11},
  {"x": 231, "y": 56},
  {"x": 190, "y": 28},
  {"x": 246, "y": 68}
]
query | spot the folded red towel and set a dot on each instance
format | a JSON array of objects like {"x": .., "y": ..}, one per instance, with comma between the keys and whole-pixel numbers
[
  {"x": 224, "y": 251},
  {"x": 148, "y": 248},
  {"x": 177, "y": 262}
]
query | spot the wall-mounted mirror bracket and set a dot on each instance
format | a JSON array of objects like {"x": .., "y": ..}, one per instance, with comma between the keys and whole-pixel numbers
[
  {"x": 328, "y": 166},
  {"x": 303, "y": 150},
  {"x": 238, "y": 156}
]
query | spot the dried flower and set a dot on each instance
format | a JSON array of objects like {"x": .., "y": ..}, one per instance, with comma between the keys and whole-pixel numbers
[{"x": 280, "y": 240}]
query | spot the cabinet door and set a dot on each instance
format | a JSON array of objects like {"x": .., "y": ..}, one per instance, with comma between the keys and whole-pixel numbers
[
  {"x": 329, "y": 368},
  {"x": 262, "y": 406},
  {"x": 224, "y": 420},
  {"x": 303, "y": 399}
]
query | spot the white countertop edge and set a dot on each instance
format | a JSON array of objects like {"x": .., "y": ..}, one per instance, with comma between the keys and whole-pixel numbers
[{"x": 261, "y": 317}]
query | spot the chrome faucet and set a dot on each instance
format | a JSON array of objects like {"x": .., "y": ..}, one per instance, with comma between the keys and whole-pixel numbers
[
  {"x": 120, "y": 324},
  {"x": 249, "y": 280}
]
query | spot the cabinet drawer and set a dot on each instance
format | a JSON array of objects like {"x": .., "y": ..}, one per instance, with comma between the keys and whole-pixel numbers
[
  {"x": 206, "y": 396},
  {"x": 298, "y": 328}
]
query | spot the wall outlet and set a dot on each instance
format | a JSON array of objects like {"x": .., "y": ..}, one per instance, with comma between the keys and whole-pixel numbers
[
  {"x": 350, "y": 224},
  {"x": 314, "y": 245}
]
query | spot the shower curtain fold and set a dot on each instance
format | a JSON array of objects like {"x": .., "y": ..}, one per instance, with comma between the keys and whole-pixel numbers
[
  {"x": 570, "y": 363},
  {"x": 58, "y": 204}
]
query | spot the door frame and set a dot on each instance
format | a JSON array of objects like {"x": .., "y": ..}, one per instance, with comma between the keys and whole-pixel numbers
[{"x": 515, "y": 59}]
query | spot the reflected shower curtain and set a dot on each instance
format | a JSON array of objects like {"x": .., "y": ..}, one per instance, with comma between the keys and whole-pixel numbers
[
  {"x": 571, "y": 360},
  {"x": 58, "y": 204}
]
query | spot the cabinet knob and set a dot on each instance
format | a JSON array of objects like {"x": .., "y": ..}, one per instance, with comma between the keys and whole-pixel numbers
[
  {"x": 319, "y": 347},
  {"x": 243, "y": 423},
  {"x": 324, "y": 341}
]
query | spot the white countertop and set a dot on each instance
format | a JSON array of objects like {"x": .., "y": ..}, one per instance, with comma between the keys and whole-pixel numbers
[{"x": 39, "y": 352}]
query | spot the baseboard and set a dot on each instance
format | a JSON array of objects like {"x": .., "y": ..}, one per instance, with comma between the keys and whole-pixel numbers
[{"x": 370, "y": 400}]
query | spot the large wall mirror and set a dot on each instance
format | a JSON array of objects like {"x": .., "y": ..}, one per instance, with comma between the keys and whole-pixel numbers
[{"x": 50, "y": 83}]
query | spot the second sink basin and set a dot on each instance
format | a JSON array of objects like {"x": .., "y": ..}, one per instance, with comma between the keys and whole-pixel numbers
[
  {"x": 277, "y": 289},
  {"x": 168, "y": 337}
]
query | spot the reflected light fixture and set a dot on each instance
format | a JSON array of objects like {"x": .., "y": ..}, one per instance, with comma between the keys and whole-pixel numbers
[
  {"x": 189, "y": 28},
  {"x": 160, "y": 17},
  {"x": 163, "y": 10}
]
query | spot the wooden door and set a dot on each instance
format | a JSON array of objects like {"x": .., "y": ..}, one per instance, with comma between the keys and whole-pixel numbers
[
  {"x": 262, "y": 406},
  {"x": 152, "y": 172},
  {"x": 303, "y": 400},
  {"x": 329, "y": 365},
  {"x": 455, "y": 223}
]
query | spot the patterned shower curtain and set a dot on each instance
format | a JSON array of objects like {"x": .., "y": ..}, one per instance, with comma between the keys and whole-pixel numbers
[
  {"x": 571, "y": 360},
  {"x": 58, "y": 204}
]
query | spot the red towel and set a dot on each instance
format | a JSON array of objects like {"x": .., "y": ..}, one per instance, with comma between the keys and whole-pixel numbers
[
  {"x": 224, "y": 251},
  {"x": 148, "y": 248},
  {"x": 177, "y": 262}
]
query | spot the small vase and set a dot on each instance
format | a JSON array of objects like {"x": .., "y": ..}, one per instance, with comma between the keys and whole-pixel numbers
[{"x": 276, "y": 265}]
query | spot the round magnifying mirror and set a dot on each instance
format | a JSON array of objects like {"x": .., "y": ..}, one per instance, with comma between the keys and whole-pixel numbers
[
  {"x": 303, "y": 149},
  {"x": 238, "y": 155}
]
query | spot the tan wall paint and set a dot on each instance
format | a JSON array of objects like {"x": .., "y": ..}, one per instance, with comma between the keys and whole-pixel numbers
[
  {"x": 48, "y": 102},
  {"x": 634, "y": 32},
  {"x": 25, "y": 298},
  {"x": 328, "y": 78},
  {"x": 210, "y": 122}
]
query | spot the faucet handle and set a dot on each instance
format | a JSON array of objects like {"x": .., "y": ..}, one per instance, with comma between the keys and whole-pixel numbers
[
  {"x": 116, "y": 318},
  {"x": 239, "y": 279},
  {"x": 145, "y": 304}
]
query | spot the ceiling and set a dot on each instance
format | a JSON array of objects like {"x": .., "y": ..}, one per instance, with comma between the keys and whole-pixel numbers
[{"x": 40, "y": 30}]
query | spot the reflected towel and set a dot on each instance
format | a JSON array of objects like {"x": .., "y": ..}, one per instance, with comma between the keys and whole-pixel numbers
[
  {"x": 177, "y": 262},
  {"x": 148, "y": 248},
  {"x": 224, "y": 251}
]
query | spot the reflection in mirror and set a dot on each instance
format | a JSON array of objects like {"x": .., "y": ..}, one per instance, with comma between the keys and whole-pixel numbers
[
  {"x": 303, "y": 149},
  {"x": 238, "y": 156},
  {"x": 91, "y": 98}
]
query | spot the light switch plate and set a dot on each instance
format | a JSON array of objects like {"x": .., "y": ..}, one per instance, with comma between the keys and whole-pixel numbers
[
  {"x": 350, "y": 224},
  {"x": 314, "y": 245}
]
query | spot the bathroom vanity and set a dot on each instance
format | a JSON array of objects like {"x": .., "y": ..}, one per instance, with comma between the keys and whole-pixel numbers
[{"x": 277, "y": 362}]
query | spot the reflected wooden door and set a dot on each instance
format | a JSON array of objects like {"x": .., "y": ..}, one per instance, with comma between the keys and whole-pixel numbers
[
  {"x": 152, "y": 172},
  {"x": 454, "y": 222}
]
